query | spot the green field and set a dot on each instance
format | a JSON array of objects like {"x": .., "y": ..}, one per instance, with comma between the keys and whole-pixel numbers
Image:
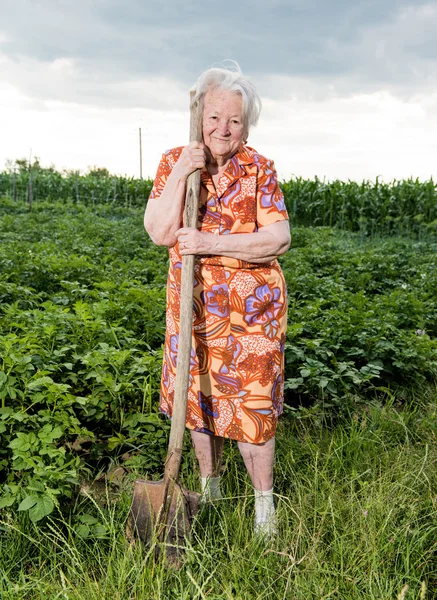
[{"x": 82, "y": 293}]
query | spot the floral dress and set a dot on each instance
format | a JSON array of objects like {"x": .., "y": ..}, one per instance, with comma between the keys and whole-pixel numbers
[{"x": 239, "y": 308}]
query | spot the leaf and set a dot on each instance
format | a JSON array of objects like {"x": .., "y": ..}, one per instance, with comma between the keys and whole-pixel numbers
[
  {"x": 305, "y": 372},
  {"x": 41, "y": 509},
  {"x": 20, "y": 444},
  {"x": 7, "y": 500},
  {"x": 113, "y": 442},
  {"x": 89, "y": 519},
  {"x": 331, "y": 387},
  {"x": 99, "y": 531},
  {"x": 81, "y": 400},
  {"x": 28, "y": 502},
  {"x": 82, "y": 530},
  {"x": 293, "y": 384},
  {"x": 12, "y": 392},
  {"x": 39, "y": 382},
  {"x": 36, "y": 486},
  {"x": 19, "y": 416},
  {"x": 56, "y": 433}
]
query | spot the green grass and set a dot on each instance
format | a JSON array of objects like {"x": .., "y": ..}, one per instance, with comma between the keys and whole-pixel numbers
[{"x": 357, "y": 506}]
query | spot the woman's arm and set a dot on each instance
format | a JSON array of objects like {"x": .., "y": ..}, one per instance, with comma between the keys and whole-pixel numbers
[
  {"x": 262, "y": 246},
  {"x": 163, "y": 215}
]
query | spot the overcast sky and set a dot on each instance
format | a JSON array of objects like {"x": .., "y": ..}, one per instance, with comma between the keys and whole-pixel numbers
[{"x": 349, "y": 89}]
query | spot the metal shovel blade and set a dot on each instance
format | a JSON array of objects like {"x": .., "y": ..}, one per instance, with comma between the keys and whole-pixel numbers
[{"x": 166, "y": 520}]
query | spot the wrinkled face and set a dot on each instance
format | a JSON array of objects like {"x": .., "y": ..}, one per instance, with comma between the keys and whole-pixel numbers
[{"x": 223, "y": 128}]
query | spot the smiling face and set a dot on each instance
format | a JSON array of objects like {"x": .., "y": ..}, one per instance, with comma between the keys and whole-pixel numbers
[{"x": 223, "y": 126}]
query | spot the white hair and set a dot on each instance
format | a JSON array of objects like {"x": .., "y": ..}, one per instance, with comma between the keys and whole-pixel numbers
[{"x": 231, "y": 79}]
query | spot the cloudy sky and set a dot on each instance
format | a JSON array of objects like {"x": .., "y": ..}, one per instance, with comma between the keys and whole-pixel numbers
[{"x": 349, "y": 89}]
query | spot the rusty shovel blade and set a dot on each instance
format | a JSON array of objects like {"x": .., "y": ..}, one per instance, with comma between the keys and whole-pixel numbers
[{"x": 167, "y": 520}]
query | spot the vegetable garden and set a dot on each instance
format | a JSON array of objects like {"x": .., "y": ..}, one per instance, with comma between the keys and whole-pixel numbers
[{"x": 82, "y": 293}]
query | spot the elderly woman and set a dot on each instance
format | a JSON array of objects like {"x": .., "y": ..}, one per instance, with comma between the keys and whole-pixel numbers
[{"x": 240, "y": 301}]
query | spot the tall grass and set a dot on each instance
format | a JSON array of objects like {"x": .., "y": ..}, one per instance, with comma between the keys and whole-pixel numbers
[{"x": 357, "y": 507}]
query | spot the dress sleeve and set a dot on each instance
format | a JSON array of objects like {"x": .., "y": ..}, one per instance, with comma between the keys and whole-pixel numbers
[
  {"x": 270, "y": 205},
  {"x": 162, "y": 174}
]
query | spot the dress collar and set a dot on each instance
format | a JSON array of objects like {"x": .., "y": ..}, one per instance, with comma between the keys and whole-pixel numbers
[{"x": 234, "y": 170}]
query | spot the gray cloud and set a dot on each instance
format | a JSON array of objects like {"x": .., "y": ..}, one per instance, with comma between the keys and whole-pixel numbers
[{"x": 306, "y": 47}]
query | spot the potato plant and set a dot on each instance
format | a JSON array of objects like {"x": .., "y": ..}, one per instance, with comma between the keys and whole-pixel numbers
[{"x": 82, "y": 319}]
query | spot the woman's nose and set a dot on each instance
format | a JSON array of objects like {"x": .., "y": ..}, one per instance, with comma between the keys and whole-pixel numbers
[{"x": 223, "y": 129}]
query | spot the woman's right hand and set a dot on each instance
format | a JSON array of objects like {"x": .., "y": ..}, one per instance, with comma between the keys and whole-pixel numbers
[{"x": 192, "y": 157}]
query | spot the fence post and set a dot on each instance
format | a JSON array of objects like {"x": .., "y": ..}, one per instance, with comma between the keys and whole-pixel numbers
[
  {"x": 77, "y": 187},
  {"x": 14, "y": 189},
  {"x": 30, "y": 190}
]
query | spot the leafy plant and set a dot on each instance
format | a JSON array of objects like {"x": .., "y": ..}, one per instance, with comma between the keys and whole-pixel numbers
[{"x": 82, "y": 322}]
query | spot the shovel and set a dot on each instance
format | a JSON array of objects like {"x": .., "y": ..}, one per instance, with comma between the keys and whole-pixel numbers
[{"x": 163, "y": 510}]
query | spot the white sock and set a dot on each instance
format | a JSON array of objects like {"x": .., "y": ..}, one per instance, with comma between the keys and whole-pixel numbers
[
  {"x": 264, "y": 506},
  {"x": 211, "y": 488},
  {"x": 265, "y": 516}
]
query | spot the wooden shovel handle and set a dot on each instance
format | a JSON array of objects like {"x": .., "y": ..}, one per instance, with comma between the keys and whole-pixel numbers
[{"x": 177, "y": 429}]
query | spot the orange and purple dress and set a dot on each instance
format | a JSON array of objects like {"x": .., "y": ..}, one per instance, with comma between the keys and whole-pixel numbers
[{"x": 239, "y": 309}]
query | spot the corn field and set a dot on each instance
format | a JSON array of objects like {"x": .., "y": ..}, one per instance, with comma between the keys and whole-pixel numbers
[
  {"x": 97, "y": 187},
  {"x": 399, "y": 207},
  {"x": 408, "y": 206}
]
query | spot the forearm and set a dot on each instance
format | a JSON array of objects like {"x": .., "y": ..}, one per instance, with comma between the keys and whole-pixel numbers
[
  {"x": 163, "y": 215},
  {"x": 259, "y": 247}
]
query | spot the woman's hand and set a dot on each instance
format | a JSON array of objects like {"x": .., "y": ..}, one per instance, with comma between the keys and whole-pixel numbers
[
  {"x": 192, "y": 157},
  {"x": 193, "y": 241},
  {"x": 163, "y": 215}
]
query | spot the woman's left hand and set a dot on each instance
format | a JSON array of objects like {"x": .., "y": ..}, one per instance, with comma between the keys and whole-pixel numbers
[{"x": 193, "y": 241}]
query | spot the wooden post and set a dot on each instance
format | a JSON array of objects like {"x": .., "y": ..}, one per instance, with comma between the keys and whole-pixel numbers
[
  {"x": 141, "y": 157},
  {"x": 77, "y": 187},
  {"x": 30, "y": 196},
  {"x": 29, "y": 185}
]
